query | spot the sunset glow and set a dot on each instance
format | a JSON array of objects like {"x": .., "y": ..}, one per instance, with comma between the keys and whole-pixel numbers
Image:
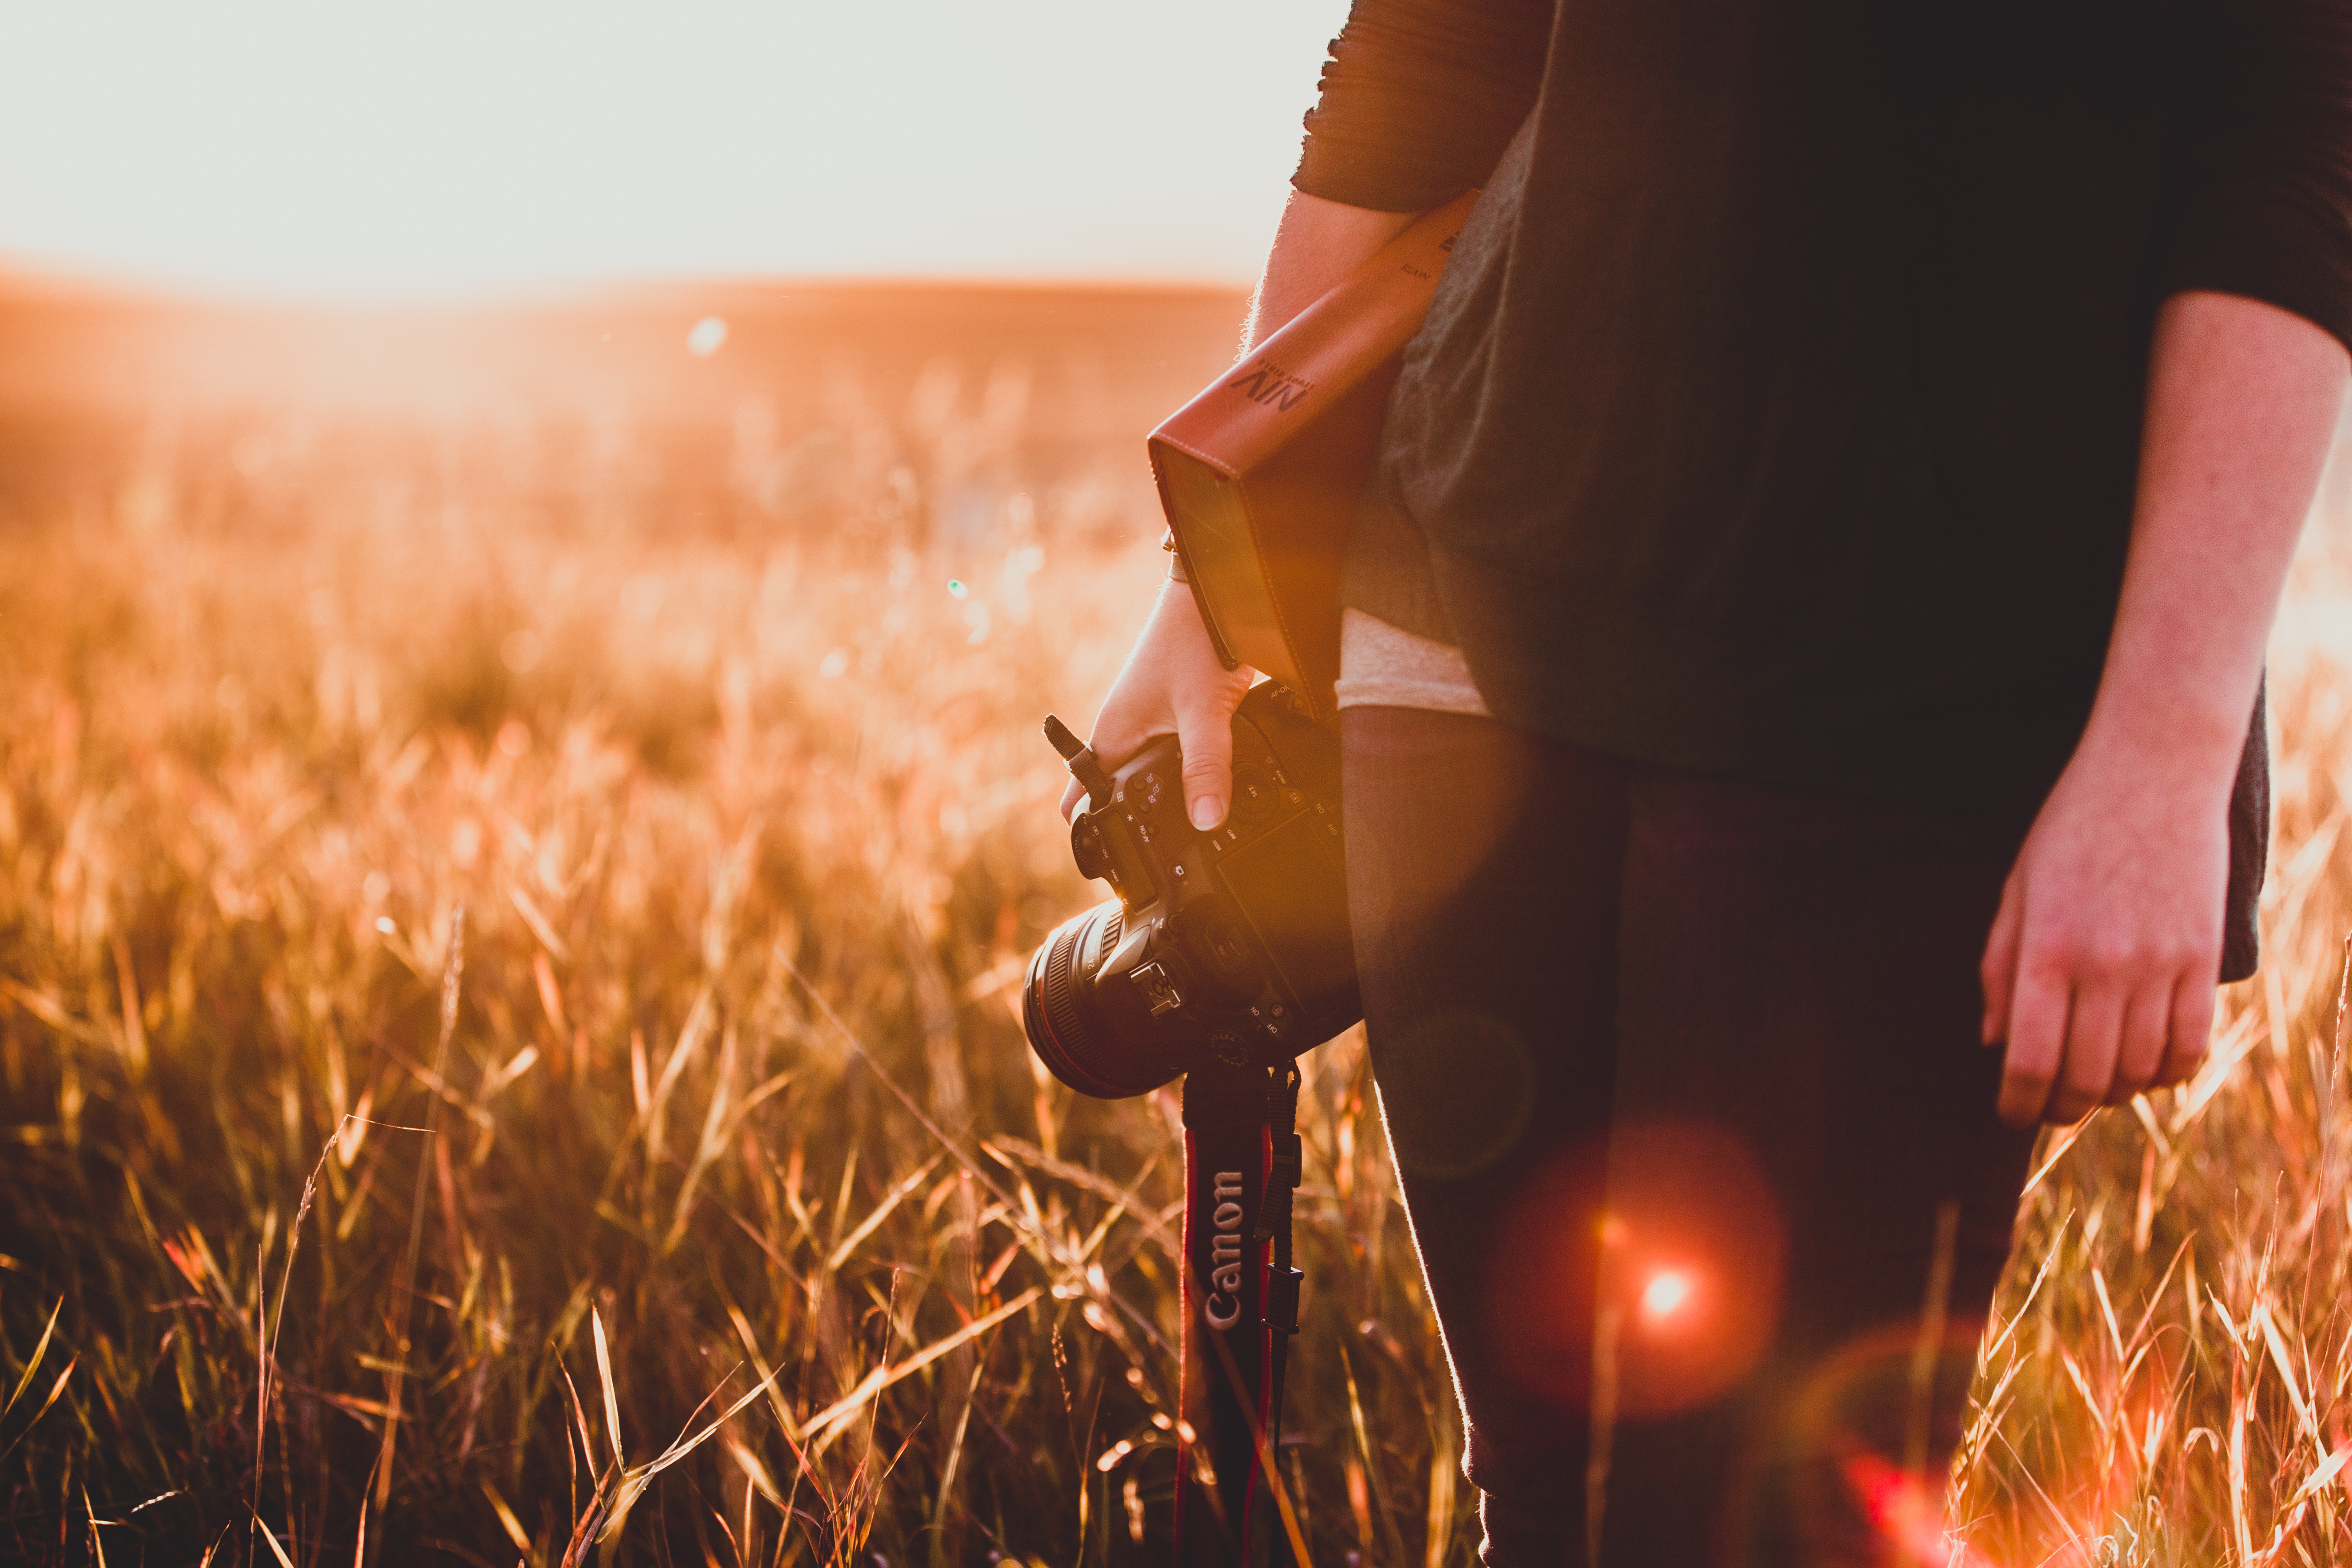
[{"x": 346, "y": 151}]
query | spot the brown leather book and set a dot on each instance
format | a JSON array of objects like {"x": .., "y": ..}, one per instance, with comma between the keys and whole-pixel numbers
[{"x": 1260, "y": 474}]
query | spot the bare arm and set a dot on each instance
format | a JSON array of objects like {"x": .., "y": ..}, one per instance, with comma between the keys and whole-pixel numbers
[
  {"x": 1173, "y": 682},
  {"x": 1316, "y": 245},
  {"x": 2100, "y": 970}
]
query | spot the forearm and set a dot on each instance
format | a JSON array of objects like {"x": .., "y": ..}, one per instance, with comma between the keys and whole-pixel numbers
[
  {"x": 1173, "y": 680},
  {"x": 2100, "y": 968},
  {"x": 1318, "y": 243},
  {"x": 1364, "y": 151},
  {"x": 2243, "y": 400}
]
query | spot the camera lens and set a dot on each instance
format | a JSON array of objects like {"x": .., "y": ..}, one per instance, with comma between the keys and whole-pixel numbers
[{"x": 1089, "y": 1047}]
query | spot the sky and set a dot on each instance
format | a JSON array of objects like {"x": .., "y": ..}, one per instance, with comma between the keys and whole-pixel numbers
[{"x": 331, "y": 148}]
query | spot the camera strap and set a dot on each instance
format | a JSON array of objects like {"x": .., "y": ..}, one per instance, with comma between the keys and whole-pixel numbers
[{"x": 1241, "y": 1298}]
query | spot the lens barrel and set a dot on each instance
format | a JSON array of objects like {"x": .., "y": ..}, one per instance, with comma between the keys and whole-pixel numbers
[{"x": 1069, "y": 1032}]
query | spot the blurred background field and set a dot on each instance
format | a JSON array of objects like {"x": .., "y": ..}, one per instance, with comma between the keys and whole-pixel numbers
[{"x": 702, "y": 672}]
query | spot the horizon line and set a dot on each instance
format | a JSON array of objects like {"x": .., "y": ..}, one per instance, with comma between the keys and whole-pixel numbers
[{"x": 22, "y": 275}]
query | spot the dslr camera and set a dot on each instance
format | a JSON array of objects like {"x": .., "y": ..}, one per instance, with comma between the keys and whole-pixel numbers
[{"x": 1227, "y": 946}]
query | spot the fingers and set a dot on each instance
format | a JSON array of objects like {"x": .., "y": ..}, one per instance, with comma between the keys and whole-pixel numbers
[
  {"x": 1998, "y": 970},
  {"x": 2099, "y": 965},
  {"x": 2190, "y": 1029},
  {"x": 1205, "y": 732},
  {"x": 1124, "y": 727},
  {"x": 2095, "y": 1023},
  {"x": 2088, "y": 1020},
  {"x": 2037, "y": 1043},
  {"x": 1173, "y": 679},
  {"x": 2141, "y": 1043},
  {"x": 2080, "y": 1036},
  {"x": 1115, "y": 738}
]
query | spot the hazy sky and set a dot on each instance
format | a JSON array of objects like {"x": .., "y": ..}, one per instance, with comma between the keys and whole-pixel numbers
[{"x": 330, "y": 147}]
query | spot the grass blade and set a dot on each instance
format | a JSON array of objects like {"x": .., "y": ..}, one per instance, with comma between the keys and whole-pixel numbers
[
  {"x": 872, "y": 1222},
  {"x": 34, "y": 1365},
  {"x": 55, "y": 1389},
  {"x": 611, "y": 1400},
  {"x": 829, "y": 1422}
]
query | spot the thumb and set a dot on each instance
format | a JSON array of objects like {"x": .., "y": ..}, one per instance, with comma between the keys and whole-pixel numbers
[{"x": 1205, "y": 731}]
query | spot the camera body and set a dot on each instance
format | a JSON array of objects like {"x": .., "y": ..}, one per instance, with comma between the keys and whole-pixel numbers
[{"x": 1228, "y": 946}]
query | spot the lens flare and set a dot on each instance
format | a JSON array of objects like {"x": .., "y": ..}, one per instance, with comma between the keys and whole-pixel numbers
[
  {"x": 1907, "y": 1514},
  {"x": 1667, "y": 1292},
  {"x": 1671, "y": 1231}
]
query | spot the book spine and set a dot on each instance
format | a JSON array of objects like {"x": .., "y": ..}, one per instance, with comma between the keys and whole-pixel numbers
[{"x": 1288, "y": 381}]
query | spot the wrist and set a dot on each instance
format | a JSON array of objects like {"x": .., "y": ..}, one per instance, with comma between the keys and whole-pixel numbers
[
  {"x": 2179, "y": 749},
  {"x": 1177, "y": 572}
]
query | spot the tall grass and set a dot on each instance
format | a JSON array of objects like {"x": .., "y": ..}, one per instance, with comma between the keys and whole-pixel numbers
[
  {"x": 2168, "y": 1377},
  {"x": 509, "y": 1051},
  {"x": 749, "y": 840}
]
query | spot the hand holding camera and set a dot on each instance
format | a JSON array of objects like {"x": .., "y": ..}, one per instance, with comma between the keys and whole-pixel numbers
[
  {"x": 1173, "y": 680},
  {"x": 1225, "y": 955},
  {"x": 1229, "y": 944}
]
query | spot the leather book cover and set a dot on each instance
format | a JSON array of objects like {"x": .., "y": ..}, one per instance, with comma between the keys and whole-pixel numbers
[{"x": 1260, "y": 474}]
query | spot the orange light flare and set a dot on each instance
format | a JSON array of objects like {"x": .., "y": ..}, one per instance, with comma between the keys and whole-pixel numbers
[
  {"x": 1907, "y": 1514},
  {"x": 1670, "y": 1231},
  {"x": 1664, "y": 1297}
]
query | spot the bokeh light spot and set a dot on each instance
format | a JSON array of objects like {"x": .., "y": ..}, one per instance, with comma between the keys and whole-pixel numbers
[
  {"x": 706, "y": 337},
  {"x": 1669, "y": 1230}
]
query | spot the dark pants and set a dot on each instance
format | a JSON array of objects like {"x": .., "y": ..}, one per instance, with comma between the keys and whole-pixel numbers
[{"x": 1683, "y": 1083}]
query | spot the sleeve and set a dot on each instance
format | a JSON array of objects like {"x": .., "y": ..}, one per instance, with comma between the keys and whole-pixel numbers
[
  {"x": 1420, "y": 97},
  {"x": 2266, "y": 194}
]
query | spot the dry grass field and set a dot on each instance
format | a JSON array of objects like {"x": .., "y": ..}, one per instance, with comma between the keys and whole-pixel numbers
[{"x": 516, "y": 847}]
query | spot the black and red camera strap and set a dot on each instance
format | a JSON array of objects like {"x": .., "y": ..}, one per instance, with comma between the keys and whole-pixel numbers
[{"x": 1241, "y": 1309}]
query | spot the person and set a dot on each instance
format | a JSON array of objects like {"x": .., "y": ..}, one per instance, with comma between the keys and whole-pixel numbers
[{"x": 1802, "y": 629}]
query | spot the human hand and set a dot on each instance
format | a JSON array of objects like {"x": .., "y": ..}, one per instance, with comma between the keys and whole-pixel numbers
[
  {"x": 1173, "y": 683},
  {"x": 2101, "y": 967}
]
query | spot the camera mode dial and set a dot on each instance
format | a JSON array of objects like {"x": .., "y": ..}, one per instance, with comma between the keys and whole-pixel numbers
[
  {"x": 1087, "y": 850},
  {"x": 1255, "y": 796}
]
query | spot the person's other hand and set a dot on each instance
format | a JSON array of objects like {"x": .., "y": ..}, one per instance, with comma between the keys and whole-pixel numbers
[
  {"x": 2101, "y": 968},
  {"x": 1173, "y": 684}
]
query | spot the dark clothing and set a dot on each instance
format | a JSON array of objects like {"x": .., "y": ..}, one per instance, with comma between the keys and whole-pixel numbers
[
  {"x": 1769, "y": 452},
  {"x": 1778, "y": 412},
  {"x": 1757, "y": 1009}
]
